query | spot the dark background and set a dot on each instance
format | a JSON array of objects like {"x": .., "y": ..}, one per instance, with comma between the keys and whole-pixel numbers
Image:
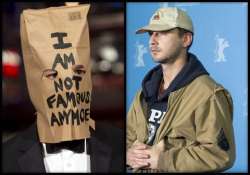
[{"x": 106, "y": 27}]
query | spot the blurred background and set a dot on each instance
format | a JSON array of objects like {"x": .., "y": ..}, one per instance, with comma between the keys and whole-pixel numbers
[{"x": 106, "y": 27}]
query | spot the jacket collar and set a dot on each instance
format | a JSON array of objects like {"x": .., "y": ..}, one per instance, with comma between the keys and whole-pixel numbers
[
  {"x": 151, "y": 82},
  {"x": 31, "y": 159}
]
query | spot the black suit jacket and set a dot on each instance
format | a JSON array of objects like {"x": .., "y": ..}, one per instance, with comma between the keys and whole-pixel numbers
[{"x": 24, "y": 152}]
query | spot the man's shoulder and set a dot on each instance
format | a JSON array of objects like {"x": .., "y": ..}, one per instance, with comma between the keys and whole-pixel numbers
[
  {"x": 110, "y": 139},
  {"x": 12, "y": 144},
  {"x": 12, "y": 149},
  {"x": 205, "y": 87},
  {"x": 109, "y": 134},
  {"x": 10, "y": 154},
  {"x": 205, "y": 83}
]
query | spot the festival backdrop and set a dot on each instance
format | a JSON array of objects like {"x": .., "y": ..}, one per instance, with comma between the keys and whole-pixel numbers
[{"x": 220, "y": 42}]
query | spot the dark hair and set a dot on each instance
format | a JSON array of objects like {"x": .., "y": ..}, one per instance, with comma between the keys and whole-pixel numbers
[{"x": 181, "y": 33}]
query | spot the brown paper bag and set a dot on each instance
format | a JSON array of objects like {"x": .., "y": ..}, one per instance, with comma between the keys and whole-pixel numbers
[{"x": 56, "y": 53}]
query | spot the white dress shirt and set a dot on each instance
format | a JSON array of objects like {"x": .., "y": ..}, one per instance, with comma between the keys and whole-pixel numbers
[{"x": 66, "y": 161}]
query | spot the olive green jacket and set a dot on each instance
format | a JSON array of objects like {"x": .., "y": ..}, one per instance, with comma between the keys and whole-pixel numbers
[{"x": 197, "y": 128}]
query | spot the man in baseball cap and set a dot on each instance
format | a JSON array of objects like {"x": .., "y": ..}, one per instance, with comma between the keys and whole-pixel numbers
[{"x": 181, "y": 119}]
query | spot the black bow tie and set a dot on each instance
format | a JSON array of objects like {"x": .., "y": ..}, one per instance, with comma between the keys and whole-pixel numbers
[{"x": 77, "y": 146}]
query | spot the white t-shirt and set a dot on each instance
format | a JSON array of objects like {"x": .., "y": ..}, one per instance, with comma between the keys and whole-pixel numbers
[{"x": 66, "y": 161}]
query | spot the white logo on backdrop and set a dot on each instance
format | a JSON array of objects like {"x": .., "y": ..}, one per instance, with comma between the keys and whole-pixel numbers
[
  {"x": 221, "y": 44},
  {"x": 140, "y": 51}
]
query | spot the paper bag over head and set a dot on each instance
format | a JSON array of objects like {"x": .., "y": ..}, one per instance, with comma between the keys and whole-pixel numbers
[{"x": 56, "y": 53}]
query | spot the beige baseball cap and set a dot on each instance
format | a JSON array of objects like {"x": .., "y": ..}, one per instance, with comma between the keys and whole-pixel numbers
[{"x": 168, "y": 18}]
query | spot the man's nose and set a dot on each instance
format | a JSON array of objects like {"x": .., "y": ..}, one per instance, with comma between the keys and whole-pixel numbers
[{"x": 153, "y": 39}]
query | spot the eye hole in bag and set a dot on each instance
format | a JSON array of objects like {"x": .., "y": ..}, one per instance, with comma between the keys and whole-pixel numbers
[
  {"x": 50, "y": 74},
  {"x": 79, "y": 69}
]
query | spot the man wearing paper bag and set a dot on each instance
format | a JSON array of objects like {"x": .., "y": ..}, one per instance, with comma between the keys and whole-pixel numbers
[{"x": 56, "y": 53}]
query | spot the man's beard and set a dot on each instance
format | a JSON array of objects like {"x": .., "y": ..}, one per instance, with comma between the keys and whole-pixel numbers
[{"x": 171, "y": 58}]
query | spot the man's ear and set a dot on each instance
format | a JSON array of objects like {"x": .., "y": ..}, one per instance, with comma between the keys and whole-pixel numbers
[{"x": 187, "y": 39}]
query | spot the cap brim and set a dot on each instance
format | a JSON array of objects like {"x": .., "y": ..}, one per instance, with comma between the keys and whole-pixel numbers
[{"x": 154, "y": 28}]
